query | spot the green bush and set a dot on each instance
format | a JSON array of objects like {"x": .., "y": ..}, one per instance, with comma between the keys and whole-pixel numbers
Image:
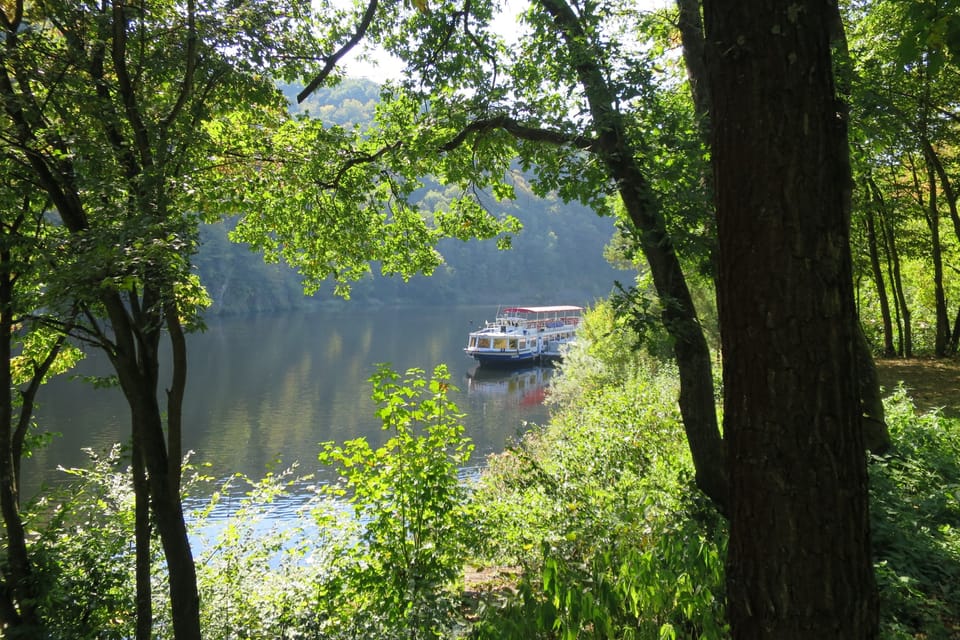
[
  {"x": 396, "y": 579},
  {"x": 597, "y": 509},
  {"x": 600, "y": 510},
  {"x": 257, "y": 573},
  {"x": 82, "y": 550},
  {"x": 915, "y": 515}
]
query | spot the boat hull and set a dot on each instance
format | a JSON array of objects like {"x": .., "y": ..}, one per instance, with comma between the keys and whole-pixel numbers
[{"x": 493, "y": 359}]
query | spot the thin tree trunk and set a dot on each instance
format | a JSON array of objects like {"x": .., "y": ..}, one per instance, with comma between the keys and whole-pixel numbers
[
  {"x": 696, "y": 401},
  {"x": 142, "y": 543},
  {"x": 889, "y": 350},
  {"x": 799, "y": 563},
  {"x": 905, "y": 348},
  {"x": 942, "y": 328},
  {"x": 950, "y": 195},
  {"x": 955, "y": 335},
  {"x": 175, "y": 395},
  {"x": 17, "y": 596}
]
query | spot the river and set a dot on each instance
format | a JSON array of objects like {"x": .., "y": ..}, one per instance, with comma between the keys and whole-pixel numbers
[{"x": 264, "y": 391}]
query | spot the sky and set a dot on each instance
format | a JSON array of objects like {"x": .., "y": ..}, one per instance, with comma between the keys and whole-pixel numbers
[{"x": 384, "y": 66}]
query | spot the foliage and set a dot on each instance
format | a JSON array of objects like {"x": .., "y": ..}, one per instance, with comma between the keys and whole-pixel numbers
[
  {"x": 916, "y": 523},
  {"x": 558, "y": 255},
  {"x": 600, "y": 509},
  {"x": 411, "y": 507},
  {"x": 333, "y": 219},
  {"x": 257, "y": 570},
  {"x": 905, "y": 136},
  {"x": 83, "y": 552}
]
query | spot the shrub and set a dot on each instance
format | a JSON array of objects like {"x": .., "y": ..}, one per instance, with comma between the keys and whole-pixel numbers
[
  {"x": 410, "y": 506},
  {"x": 600, "y": 509},
  {"x": 82, "y": 551},
  {"x": 915, "y": 515}
]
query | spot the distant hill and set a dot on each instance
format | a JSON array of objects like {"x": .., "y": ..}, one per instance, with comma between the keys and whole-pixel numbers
[{"x": 557, "y": 258}]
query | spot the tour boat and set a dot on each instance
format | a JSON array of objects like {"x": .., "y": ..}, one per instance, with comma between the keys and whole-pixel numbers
[{"x": 524, "y": 335}]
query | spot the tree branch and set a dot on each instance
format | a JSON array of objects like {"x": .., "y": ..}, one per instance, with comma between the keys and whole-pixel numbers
[
  {"x": 520, "y": 131},
  {"x": 358, "y": 160},
  {"x": 331, "y": 61}
]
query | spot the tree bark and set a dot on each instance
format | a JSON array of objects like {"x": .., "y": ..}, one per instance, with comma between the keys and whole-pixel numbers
[
  {"x": 905, "y": 347},
  {"x": 17, "y": 595},
  {"x": 955, "y": 335},
  {"x": 889, "y": 350},
  {"x": 135, "y": 358},
  {"x": 696, "y": 401},
  {"x": 799, "y": 562},
  {"x": 142, "y": 543},
  {"x": 690, "y": 25},
  {"x": 942, "y": 323}
]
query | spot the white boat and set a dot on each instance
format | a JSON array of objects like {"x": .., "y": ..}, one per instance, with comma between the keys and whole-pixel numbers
[{"x": 524, "y": 335}]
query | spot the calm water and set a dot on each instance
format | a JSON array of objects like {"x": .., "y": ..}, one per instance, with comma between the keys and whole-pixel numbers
[{"x": 269, "y": 388}]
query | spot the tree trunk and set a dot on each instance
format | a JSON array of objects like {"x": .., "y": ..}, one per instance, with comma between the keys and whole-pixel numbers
[
  {"x": 17, "y": 596},
  {"x": 876, "y": 436},
  {"x": 799, "y": 562},
  {"x": 135, "y": 359},
  {"x": 694, "y": 58},
  {"x": 889, "y": 350},
  {"x": 905, "y": 348},
  {"x": 142, "y": 543},
  {"x": 175, "y": 394},
  {"x": 942, "y": 328},
  {"x": 696, "y": 401},
  {"x": 955, "y": 335}
]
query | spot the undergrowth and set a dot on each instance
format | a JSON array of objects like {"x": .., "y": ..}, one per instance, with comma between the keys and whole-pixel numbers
[
  {"x": 599, "y": 510},
  {"x": 596, "y": 514},
  {"x": 915, "y": 517}
]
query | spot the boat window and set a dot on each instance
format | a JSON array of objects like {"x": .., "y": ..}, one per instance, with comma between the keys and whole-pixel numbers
[
  {"x": 513, "y": 343},
  {"x": 484, "y": 343},
  {"x": 499, "y": 343},
  {"x": 523, "y": 344},
  {"x": 473, "y": 342}
]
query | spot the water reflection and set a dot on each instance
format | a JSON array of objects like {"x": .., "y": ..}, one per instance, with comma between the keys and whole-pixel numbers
[
  {"x": 523, "y": 387},
  {"x": 271, "y": 388}
]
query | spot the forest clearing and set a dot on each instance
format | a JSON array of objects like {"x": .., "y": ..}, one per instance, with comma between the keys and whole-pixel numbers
[{"x": 933, "y": 383}]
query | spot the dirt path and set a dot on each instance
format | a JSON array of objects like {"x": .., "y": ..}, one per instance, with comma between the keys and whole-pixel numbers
[{"x": 931, "y": 383}]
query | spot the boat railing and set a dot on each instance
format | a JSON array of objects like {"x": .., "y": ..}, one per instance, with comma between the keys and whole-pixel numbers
[{"x": 538, "y": 324}]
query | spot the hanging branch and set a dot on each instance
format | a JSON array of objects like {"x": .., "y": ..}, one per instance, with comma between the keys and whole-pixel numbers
[{"x": 331, "y": 61}]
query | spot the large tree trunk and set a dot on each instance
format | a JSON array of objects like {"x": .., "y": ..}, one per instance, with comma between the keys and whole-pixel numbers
[{"x": 799, "y": 563}]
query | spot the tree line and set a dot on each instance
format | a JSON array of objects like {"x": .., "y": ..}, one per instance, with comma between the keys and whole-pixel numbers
[{"x": 740, "y": 167}]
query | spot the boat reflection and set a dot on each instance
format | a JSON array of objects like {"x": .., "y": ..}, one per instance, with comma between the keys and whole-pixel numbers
[{"x": 521, "y": 387}]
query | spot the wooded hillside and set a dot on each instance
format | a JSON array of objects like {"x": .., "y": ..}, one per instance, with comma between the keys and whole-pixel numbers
[{"x": 558, "y": 257}]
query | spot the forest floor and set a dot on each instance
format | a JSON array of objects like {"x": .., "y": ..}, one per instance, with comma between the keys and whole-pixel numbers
[{"x": 932, "y": 383}]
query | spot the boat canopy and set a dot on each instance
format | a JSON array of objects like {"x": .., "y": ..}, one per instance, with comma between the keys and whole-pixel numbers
[{"x": 553, "y": 309}]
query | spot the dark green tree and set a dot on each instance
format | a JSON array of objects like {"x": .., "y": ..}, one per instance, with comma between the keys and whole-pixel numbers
[{"x": 104, "y": 108}]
